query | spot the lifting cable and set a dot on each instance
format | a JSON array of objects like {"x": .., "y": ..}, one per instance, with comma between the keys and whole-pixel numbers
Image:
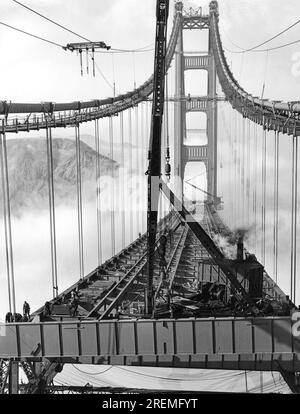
[
  {"x": 7, "y": 221},
  {"x": 123, "y": 179},
  {"x": 98, "y": 191},
  {"x": 49, "y": 143},
  {"x": 112, "y": 216},
  {"x": 276, "y": 189},
  {"x": 79, "y": 200}
]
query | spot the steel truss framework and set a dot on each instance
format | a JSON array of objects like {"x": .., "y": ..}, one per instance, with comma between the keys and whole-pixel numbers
[{"x": 220, "y": 343}]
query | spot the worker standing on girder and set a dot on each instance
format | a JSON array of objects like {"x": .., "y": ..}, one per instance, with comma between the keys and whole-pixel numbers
[{"x": 26, "y": 310}]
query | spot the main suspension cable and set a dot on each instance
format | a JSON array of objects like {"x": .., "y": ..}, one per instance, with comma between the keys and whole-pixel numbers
[
  {"x": 32, "y": 35},
  {"x": 268, "y": 40},
  {"x": 51, "y": 21}
]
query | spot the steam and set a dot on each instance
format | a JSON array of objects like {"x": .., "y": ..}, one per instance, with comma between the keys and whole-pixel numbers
[
  {"x": 226, "y": 247},
  {"x": 228, "y": 244}
]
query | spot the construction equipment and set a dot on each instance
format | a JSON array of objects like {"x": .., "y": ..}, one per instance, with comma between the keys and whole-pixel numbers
[{"x": 154, "y": 155}]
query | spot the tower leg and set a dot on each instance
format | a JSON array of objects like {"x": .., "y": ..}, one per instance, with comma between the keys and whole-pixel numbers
[{"x": 179, "y": 119}]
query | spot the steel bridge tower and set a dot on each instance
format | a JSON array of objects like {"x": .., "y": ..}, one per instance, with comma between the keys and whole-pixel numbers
[{"x": 195, "y": 20}]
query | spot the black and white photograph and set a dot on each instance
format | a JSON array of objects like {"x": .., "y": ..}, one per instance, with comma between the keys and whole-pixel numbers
[{"x": 149, "y": 201}]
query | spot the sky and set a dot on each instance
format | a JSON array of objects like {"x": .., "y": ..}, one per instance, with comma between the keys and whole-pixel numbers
[{"x": 35, "y": 71}]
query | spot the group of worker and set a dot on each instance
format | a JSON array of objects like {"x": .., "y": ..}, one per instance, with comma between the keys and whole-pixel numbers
[
  {"x": 17, "y": 317},
  {"x": 73, "y": 304}
]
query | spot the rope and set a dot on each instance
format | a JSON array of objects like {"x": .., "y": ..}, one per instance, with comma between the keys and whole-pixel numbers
[
  {"x": 52, "y": 211},
  {"x": 98, "y": 191},
  {"x": 79, "y": 201},
  {"x": 112, "y": 215}
]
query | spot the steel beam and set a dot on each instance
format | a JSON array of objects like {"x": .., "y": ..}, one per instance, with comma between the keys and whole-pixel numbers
[{"x": 224, "y": 343}]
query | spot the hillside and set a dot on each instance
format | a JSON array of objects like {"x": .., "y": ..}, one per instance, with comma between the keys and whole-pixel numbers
[{"x": 28, "y": 177}]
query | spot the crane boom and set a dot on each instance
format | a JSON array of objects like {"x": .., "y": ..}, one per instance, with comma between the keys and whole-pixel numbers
[{"x": 154, "y": 155}]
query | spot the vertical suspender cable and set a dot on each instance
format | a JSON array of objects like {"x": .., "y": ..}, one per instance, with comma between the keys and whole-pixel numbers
[
  {"x": 79, "y": 201},
  {"x": 255, "y": 185},
  {"x": 137, "y": 160},
  {"x": 130, "y": 169},
  {"x": 235, "y": 168},
  {"x": 144, "y": 157},
  {"x": 145, "y": 164},
  {"x": 248, "y": 172},
  {"x": 276, "y": 188},
  {"x": 112, "y": 215},
  {"x": 123, "y": 179},
  {"x": 243, "y": 168},
  {"x": 98, "y": 191},
  {"x": 52, "y": 210},
  {"x": 293, "y": 218},
  {"x": 263, "y": 212},
  {"x": 7, "y": 222},
  {"x": 240, "y": 172}
]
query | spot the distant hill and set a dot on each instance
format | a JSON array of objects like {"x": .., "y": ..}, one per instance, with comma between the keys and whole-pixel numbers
[{"x": 28, "y": 176}]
